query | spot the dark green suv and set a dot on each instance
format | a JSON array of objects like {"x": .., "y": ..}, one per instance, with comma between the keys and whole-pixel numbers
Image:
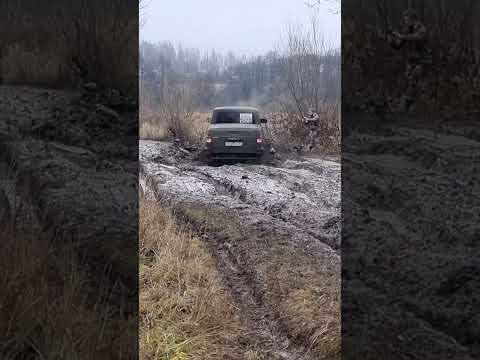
[{"x": 235, "y": 133}]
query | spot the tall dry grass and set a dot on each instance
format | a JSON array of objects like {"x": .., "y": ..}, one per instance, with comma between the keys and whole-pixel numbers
[
  {"x": 22, "y": 66},
  {"x": 49, "y": 310},
  {"x": 309, "y": 307},
  {"x": 193, "y": 129},
  {"x": 184, "y": 311},
  {"x": 64, "y": 44},
  {"x": 150, "y": 131}
]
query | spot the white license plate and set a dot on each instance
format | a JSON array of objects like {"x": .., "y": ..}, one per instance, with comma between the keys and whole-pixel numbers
[{"x": 233, "y": 143}]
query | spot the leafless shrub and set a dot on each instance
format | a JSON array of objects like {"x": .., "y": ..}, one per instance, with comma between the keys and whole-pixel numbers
[
  {"x": 177, "y": 110},
  {"x": 286, "y": 130},
  {"x": 311, "y": 80}
]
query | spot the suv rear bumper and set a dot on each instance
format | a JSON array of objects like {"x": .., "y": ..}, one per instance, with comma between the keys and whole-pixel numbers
[
  {"x": 232, "y": 155},
  {"x": 223, "y": 152}
]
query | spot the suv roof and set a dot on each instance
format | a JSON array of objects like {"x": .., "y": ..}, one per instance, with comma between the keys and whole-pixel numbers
[{"x": 236, "y": 108}]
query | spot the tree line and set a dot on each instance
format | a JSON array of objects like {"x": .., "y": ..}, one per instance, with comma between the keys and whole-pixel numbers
[{"x": 304, "y": 70}]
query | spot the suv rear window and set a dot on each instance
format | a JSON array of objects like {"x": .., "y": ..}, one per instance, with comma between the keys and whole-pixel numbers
[{"x": 234, "y": 117}]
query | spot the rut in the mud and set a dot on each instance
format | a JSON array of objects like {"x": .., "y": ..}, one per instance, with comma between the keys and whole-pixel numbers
[
  {"x": 301, "y": 194},
  {"x": 267, "y": 335}
]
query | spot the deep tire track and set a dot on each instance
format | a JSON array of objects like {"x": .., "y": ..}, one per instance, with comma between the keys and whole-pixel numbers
[{"x": 272, "y": 339}]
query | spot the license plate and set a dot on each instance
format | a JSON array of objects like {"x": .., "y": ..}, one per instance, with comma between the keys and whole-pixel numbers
[{"x": 233, "y": 143}]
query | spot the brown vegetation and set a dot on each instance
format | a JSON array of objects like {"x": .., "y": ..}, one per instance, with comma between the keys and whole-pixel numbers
[
  {"x": 303, "y": 300},
  {"x": 152, "y": 131},
  {"x": 192, "y": 129},
  {"x": 71, "y": 319},
  {"x": 185, "y": 313},
  {"x": 60, "y": 45},
  {"x": 286, "y": 129},
  {"x": 451, "y": 82}
]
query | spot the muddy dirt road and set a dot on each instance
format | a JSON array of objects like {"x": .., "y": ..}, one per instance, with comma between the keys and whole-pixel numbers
[
  {"x": 410, "y": 255},
  {"x": 75, "y": 164},
  {"x": 303, "y": 196},
  {"x": 69, "y": 180},
  {"x": 268, "y": 227}
]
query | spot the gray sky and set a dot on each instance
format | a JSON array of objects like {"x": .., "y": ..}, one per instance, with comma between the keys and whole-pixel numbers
[{"x": 247, "y": 27}]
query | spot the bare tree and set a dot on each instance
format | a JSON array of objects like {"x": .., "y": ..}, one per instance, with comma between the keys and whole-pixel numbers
[
  {"x": 311, "y": 74},
  {"x": 303, "y": 54}
]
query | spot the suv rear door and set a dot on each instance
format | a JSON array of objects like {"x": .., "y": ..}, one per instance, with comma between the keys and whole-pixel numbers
[{"x": 234, "y": 132}]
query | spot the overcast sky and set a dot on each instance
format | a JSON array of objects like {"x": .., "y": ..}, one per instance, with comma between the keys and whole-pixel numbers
[{"x": 249, "y": 27}]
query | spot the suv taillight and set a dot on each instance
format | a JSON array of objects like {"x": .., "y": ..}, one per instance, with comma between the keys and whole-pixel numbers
[
  {"x": 209, "y": 140},
  {"x": 259, "y": 140}
]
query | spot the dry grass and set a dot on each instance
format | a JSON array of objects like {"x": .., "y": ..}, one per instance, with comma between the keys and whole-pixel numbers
[
  {"x": 22, "y": 66},
  {"x": 309, "y": 307},
  {"x": 199, "y": 127},
  {"x": 68, "y": 45},
  {"x": 184, "y": 311},
  {"x": 156, "y": 128},
  {"x": 286, "y": 130},
  {"x": 149, "y": 131},
  {"x": 49, "y": 309},
  {"x": 305, "y": 300}
]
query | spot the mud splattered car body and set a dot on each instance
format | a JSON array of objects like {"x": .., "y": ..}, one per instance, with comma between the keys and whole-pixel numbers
[{"x": 235, "y": 133}]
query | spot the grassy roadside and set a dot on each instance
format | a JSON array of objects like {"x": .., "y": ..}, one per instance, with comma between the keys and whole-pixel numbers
[
  {"x": 48, "y": 308},
  {"x": 184, "y": 311},
  {"x": 308, "y": 304},
  {"x": 302, "y": 296},
  {"x": 194, "y": 130}
]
